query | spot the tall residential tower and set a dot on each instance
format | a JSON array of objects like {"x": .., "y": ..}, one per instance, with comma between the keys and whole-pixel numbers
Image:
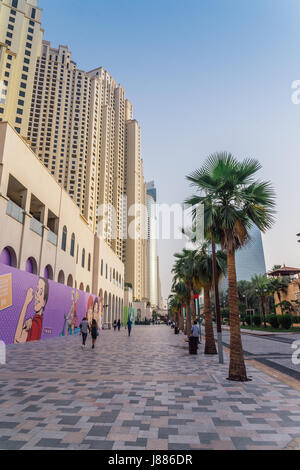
[{"x": 20, "y": 44}]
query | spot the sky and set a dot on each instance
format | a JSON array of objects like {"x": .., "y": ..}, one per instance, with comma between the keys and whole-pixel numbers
[{"x": 203, "y": 76}]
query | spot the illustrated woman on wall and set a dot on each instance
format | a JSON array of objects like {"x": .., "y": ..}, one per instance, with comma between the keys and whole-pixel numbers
[
  {"x": 90, "y": 309},
  {"x": 96, "y": 311},
  {"x": 31, "y": 329},
  {"x": 74, "y": 311},
  {"x": 71, "y": 319}
]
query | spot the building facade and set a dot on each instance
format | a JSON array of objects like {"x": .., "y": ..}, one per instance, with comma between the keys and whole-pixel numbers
[
  {"x": 136, "y": 242},
  {"x": 46, "y": 235},
  {"x": 20, "y": 45},
  {"x": 250, "y": 260},
  {"x": 81, "y": 127},
  {"x": 152, "y": 245}
]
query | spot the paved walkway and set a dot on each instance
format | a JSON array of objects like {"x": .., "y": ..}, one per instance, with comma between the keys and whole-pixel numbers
[{"x": 137, "y": 393}]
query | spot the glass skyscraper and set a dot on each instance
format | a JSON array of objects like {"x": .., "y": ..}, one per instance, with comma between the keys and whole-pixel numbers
[{"x": 250, "y": 259}]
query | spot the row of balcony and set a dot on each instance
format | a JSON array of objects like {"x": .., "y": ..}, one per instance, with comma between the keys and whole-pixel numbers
[{"x": 17, "y": 213}]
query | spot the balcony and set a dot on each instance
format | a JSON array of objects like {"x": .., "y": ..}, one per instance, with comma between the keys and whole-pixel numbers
[
  {"x": 52, "y": 238},
  {"x": 36, "y": 226},
  {"x": 15, "y": 211}
]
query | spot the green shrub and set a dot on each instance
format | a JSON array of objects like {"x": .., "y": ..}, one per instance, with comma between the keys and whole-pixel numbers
[
  {"x": 273, "y": 320},
  {"x": 257, "y": 320},
  {"x": 248, "y": 319},
  {"x": 285, "y": 322}
]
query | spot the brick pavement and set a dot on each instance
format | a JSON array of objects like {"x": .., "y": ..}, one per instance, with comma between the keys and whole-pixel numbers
[{"x": 143, "y": 392}]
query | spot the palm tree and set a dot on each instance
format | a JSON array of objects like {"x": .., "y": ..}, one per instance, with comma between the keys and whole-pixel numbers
[
  {"x": 175, "y": 307},
  {"x": 185, "y": 268},
  {"x": 180, "y": 289},
  {"x": 261, "y": 283},
  {"x": 233, "y": 202},
  {"x": 278, "y": 285},
  {"x": 206, "y": 276}
]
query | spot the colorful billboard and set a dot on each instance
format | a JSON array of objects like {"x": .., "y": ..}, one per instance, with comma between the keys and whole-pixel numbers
[{"x": 34, "y": 308}]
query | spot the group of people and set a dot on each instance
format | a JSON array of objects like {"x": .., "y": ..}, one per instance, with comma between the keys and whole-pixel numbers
[
  {"x": 117, "y": 324},
  {"x": 93, "y": 329},
  {"x": 86, "y": 328}
]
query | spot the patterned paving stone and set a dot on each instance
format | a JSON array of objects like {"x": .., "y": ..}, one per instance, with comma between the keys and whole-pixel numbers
[{"x": 142, "y": 393}]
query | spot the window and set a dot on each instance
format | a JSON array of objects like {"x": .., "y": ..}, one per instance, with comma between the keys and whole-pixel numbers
[
  {"x": 72, "y": 251},
  {"x": 89, "y": 262},
  {"x": 83, "y": 258},
  {"x": 64, "y": 239},
  {"x": 33, "y": 12},
  {"x": 14, "y": 3}
]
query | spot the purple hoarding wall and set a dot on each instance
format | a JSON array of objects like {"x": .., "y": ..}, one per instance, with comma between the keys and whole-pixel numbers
[{"x": 33, "y": 308}]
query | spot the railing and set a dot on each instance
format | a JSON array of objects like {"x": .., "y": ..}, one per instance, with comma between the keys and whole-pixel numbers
[
  {"x": 15, "y": 211},
  {"x": 36, "y": 226},
  {"x": 52, "y": 238}
]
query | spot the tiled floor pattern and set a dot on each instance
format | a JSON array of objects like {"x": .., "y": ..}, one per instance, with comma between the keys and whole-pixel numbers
[{"x": 143, "y": 392}]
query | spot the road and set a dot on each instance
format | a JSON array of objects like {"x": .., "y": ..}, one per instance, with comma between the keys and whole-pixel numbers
[{"x": 274, "y": 350}]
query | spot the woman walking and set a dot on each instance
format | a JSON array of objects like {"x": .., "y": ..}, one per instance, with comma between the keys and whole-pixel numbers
[{"x": 94, "y": 332}]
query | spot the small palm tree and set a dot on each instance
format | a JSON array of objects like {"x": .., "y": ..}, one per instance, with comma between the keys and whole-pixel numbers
[
  {"x": 233, "y": 202},
  {"x": 205, "y": 268},
  {"x": 185, "y": 268},
  {"x": 180, "y": 289}
]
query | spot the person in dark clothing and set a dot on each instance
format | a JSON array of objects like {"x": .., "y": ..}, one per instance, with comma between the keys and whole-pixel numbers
[
  {"x": 94, "y": 333},
  {"x": 119, "y": 325},
  {"x": 129, "y": 326},
  {"x": 115, "y": 325}
]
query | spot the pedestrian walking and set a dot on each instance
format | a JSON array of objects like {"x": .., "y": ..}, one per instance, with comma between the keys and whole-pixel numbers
[
  {"x": 115, "y": 325},
  {"x": 129, "y": 326},
  {"x": 119, "y": 325},
  {"x": 94, "y": 332},
  {"x": 84, "y": 328}
]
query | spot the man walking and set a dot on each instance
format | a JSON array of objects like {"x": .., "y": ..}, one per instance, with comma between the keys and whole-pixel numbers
[
  {"x": 129, "y": 326},
  {"x": 119, "y": 325},
  {"x": 84, "y": 328}
]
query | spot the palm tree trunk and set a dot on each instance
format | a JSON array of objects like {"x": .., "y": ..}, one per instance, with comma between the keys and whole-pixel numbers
[
  {"x": 237, "y": 369},
  {"x": 193, "y": 306},
  {"x": 188, "y": 324},
  {"x": 210, "y": 345},
  {"x": 181, "y": 319}
]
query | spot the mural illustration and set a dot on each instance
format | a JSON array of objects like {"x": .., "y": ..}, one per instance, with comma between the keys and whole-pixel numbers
[
  {"x": 33, "y": 308},
  {"x": 31, "y": 329},
  {"x": 71, "y": 320}
]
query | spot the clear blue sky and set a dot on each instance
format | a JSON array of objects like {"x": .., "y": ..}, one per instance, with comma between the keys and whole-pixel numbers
[{"x": 203, "y": 76}]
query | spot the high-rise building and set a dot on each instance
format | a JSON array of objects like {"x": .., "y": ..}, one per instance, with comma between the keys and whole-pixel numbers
[
  {"x": 77, "y": 128},
  {"x": 136, "y": 243},
  {"x": 250, "y": 260},
  {"x": 81, "y": 127},
  {"x": 20, "y": 45},
  {"x": 152, "y": 245}
]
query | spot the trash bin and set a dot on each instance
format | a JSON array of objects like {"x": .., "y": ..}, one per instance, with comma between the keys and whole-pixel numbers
[
  {"x": 193, "y": 344},
  {"x": 176, "y": 330}
]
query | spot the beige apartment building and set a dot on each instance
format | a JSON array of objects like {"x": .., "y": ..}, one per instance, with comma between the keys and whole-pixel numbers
[
  {"x": 20, "y": 45},
  {"x": 45, "y": 234},
  {"x": 136, "y": 243},
  {"x": 76, "y": 123},
  {"x": 77, "y": 128}
]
